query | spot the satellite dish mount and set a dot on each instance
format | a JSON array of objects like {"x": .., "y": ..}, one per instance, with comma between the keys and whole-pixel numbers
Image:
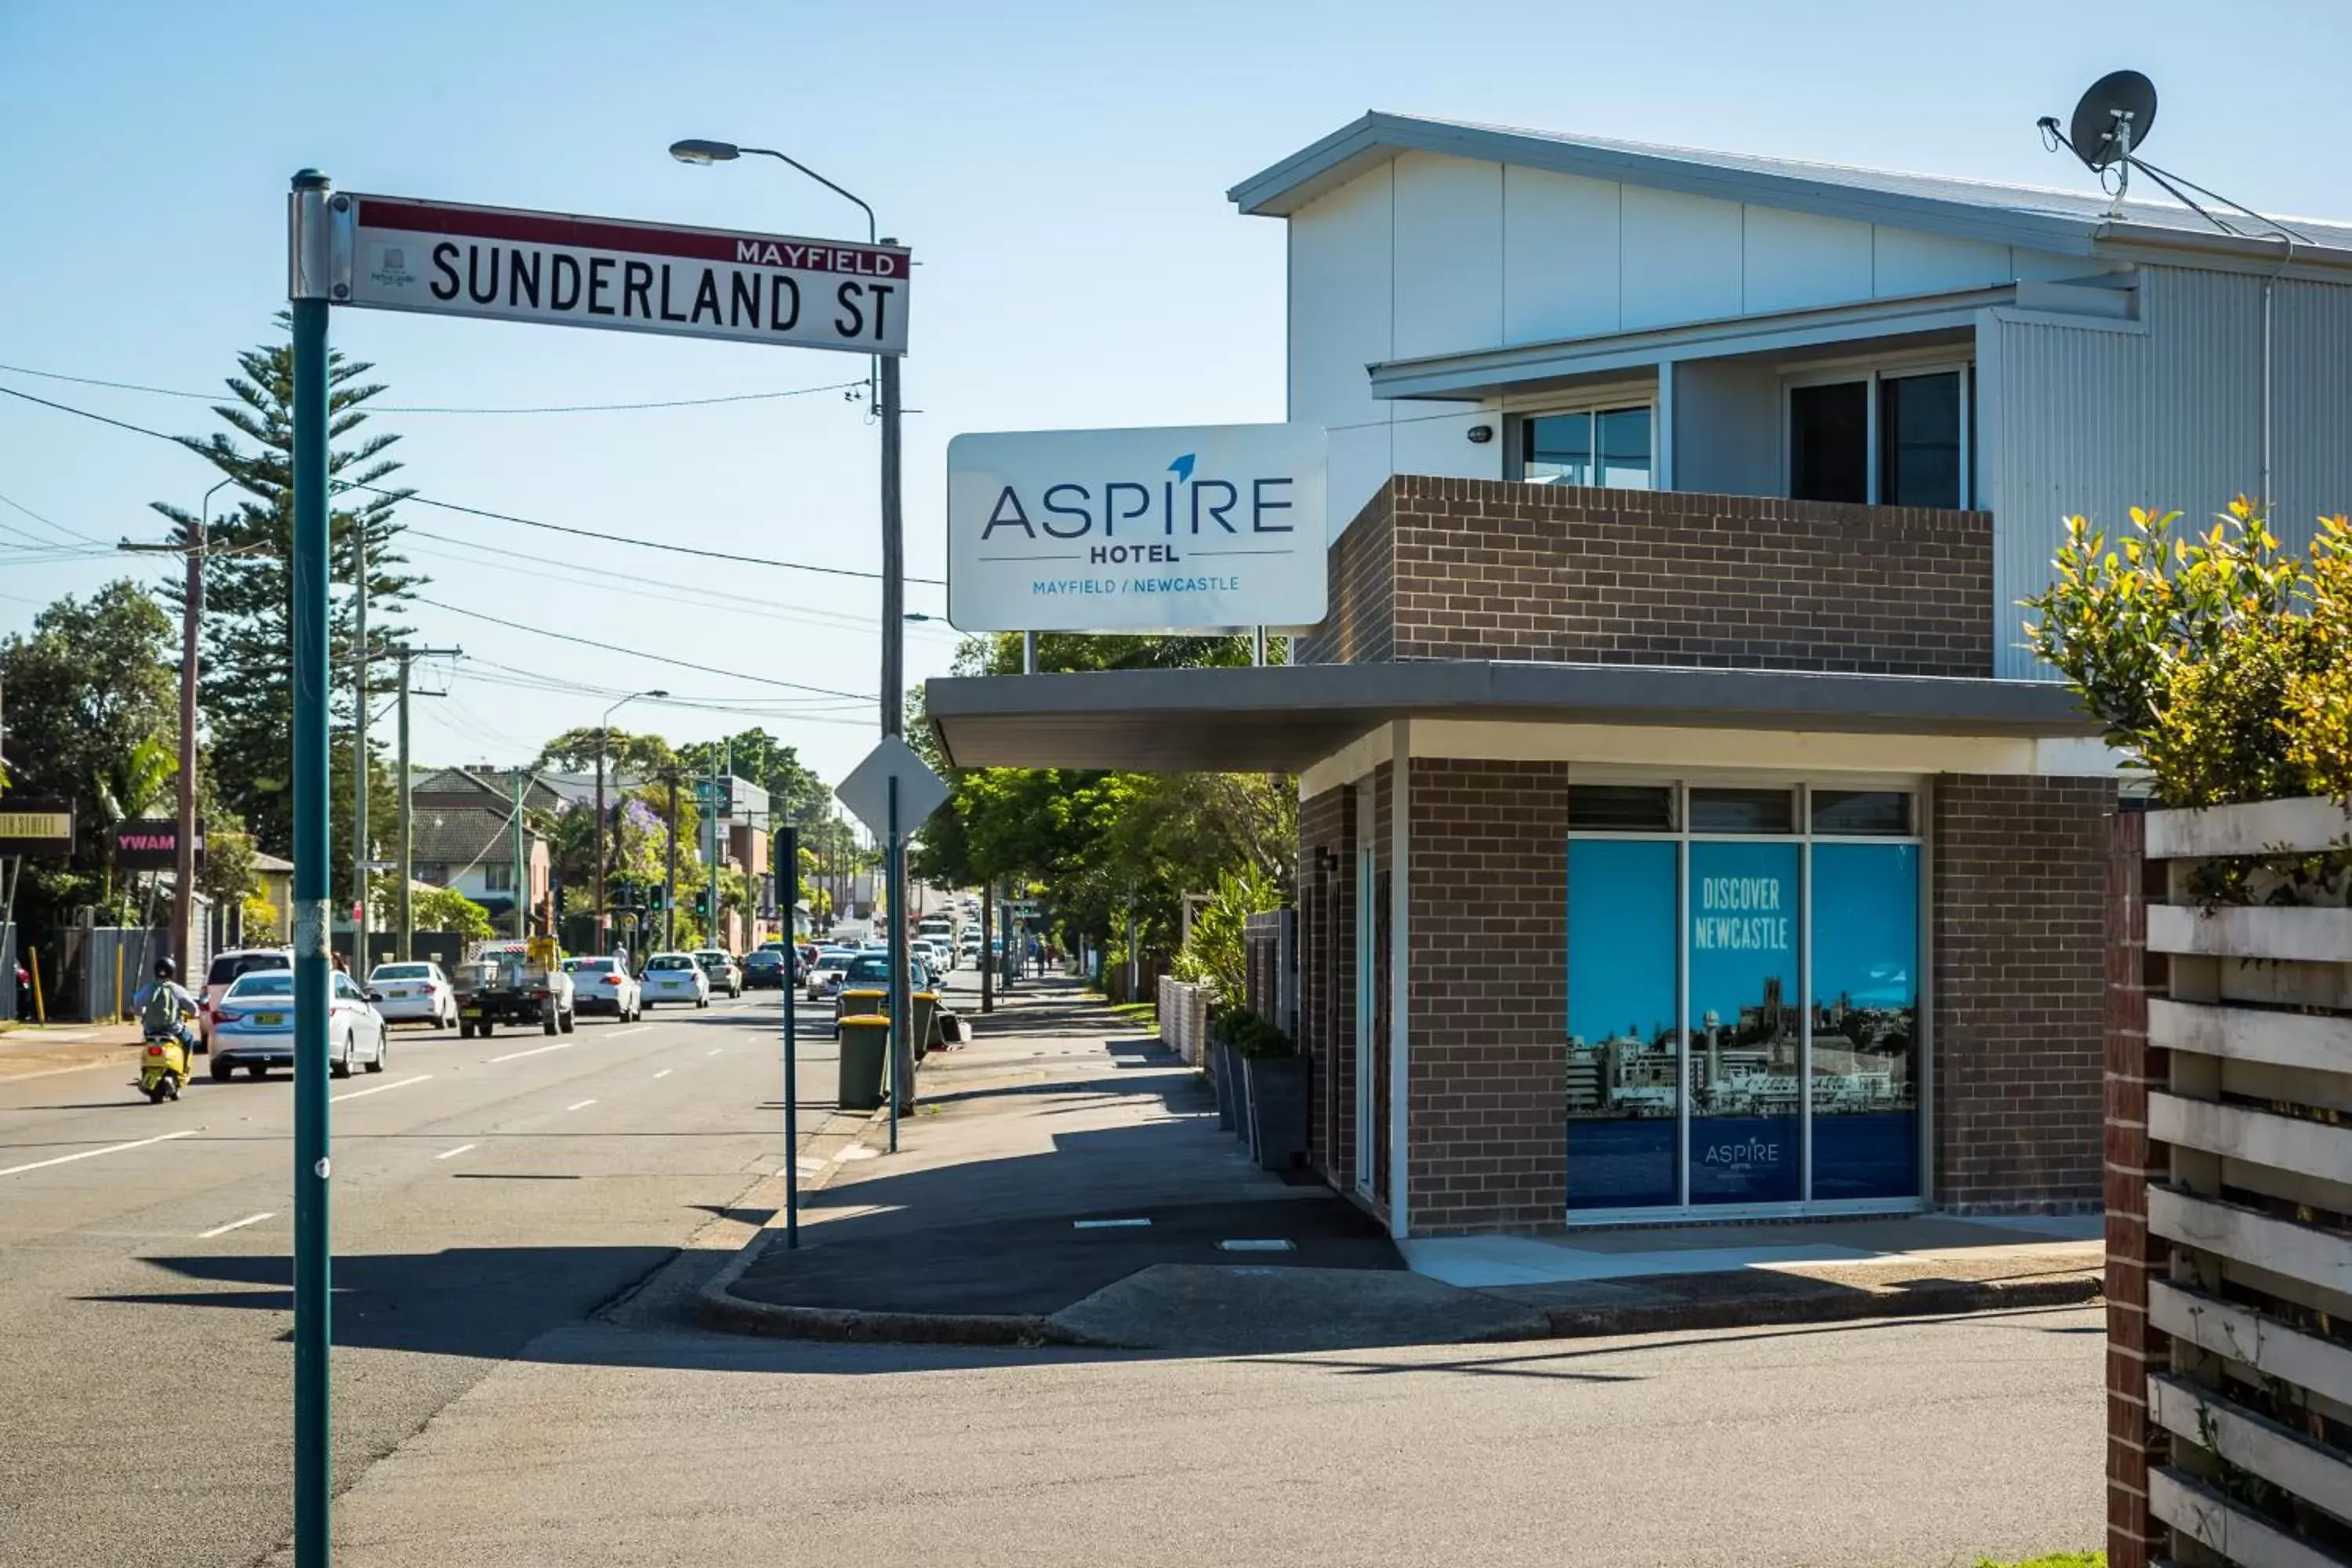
[{"x": 2111, "y": 125}]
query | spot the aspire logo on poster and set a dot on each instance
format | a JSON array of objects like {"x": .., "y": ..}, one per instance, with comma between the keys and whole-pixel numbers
[{"x": 1068, "y": 509}]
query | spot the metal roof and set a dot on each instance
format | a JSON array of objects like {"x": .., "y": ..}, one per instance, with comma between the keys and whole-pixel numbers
[
  {"x": 1282, "y": 718},
  {"x": 2069, "y": 222}
]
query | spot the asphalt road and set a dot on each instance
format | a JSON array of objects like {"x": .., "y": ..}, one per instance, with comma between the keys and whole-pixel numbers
[
  {"x": 486, "y": 1191},
  {"x": 1904, "y": 1443}
]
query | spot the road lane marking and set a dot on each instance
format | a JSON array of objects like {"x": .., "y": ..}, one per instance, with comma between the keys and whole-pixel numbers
[
  {"x": 378, "y": 1088},
  {"x": 534, "y": 1051},
  {"x": 582, "y": 1106},
  {"x": 665, "y": 1072},
  {"x": 233, "y": 1225},
  {"x": 618, "y": 1034},
  {"x": 94, "y": 1153},
  {"x": 453, "y": 1153}
]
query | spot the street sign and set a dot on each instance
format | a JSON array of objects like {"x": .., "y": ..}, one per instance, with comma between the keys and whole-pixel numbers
[
  {"x": 867, "y": 790},
  {"x": 1200, "y": 528},
  {"x": 152, "y": 843},
  {"x": 39, "y": 829},
  {"x": 390, "y": 253}
]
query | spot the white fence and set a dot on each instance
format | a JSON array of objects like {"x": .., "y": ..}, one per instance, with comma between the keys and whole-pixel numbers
[
  {"x": 1184, "y": 1018},
  {"x": 2255, "y": 1397}
]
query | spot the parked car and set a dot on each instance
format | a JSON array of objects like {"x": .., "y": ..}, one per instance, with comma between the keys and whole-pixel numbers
[
  {"x": 226, "y": 967},
  {"x": 824, "y": 974},
  {"x": 253, "y": 1028},
  {"x": 417, "y": 993},
  {"x": 767, "y": 970},
  {"x": 725, "y": 974},
  {"x": 605, "y": 985},
  {"x": 674, "y": 977}
]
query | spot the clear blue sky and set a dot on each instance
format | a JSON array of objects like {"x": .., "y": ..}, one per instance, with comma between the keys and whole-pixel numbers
[{"x": 1058, "y": 169}]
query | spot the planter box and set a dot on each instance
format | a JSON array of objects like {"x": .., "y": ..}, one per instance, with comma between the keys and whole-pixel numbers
[
  {"x": 2272, "y": 931},
  {"x": 1277, "y": 1110},
  {"x": 2263, "y": 828}
]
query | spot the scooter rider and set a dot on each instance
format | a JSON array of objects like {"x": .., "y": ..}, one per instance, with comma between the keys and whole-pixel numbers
[{"x": 166, "y": 1003}]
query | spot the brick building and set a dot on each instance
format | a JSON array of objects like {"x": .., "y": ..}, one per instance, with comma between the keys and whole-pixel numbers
[{"x": 1686, "y": 832}]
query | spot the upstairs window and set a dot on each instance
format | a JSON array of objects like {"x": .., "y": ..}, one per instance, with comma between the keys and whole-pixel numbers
[
  {"x": 1897, "y": 438},
  {"x": 1609, "y": 448}
]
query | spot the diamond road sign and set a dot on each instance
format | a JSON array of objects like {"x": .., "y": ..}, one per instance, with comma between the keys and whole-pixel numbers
[{"x": 867, "y": 790}]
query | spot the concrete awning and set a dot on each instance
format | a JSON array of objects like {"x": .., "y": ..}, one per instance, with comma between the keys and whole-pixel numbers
[{"x": 1283, "y": 718}]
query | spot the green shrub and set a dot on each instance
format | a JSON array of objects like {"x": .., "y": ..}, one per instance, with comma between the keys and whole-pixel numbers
[
  {"x": 2217, "y": 663},
  {"x": 1249, "y": 1034}
]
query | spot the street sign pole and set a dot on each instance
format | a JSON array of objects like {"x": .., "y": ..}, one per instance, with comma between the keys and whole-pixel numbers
[
  {"x": 788, "y": 889},
  {"x": 901, "y": 1058},
  {"x": 309, "y": 262}
]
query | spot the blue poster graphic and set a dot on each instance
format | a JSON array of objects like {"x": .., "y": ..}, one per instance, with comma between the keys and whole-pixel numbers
[
  {"x": 1747, "y": 1030},
  {"x": 1622, "y": 1066}
]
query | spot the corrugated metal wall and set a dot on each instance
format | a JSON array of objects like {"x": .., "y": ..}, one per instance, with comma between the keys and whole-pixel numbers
[{"x": 2092, "y": 420}]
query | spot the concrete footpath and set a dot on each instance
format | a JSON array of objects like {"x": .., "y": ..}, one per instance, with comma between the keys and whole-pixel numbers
[{"x": 1064, "y": 1180}]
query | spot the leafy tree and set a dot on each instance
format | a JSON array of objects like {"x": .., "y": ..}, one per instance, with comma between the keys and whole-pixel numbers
[
  {"x": 795, "y": 793},
  {"x": 248, "y": 595},
  {"x": 94, "y": 716},
  {"x": 636, "y": 756},
  {"x": 2216, "y": 662},
  {"x": 446, "y": 909}
]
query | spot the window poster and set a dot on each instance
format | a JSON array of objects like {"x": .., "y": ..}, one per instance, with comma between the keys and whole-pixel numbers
[
  {"x": 1746, "y": 1034},
  {"x": 1624, "y": 1067},
  {"x": 1866, "y": 1003}
]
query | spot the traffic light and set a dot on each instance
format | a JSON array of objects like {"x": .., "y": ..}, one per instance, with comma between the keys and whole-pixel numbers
[
  {"x": 702, "y": 904},
  {"x": 654, "y": 897}
]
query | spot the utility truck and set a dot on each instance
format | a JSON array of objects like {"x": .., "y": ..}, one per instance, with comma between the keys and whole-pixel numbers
[{"x": 517, "y": 982}]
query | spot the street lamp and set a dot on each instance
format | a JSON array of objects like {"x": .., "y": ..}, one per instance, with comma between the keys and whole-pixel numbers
[
  {"x": 703, "y": 153},
  {"x": 603, "y": 730}
]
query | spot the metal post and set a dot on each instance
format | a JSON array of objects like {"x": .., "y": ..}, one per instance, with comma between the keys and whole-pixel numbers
[
  {"x": 788, "y": 884},
  {"x": 1028, "y": 653},
  {"x": 987, "y": 956},
  {"x": 669, "y": 886},
  {"x": 901, "y": 1061},
  {"x": 313, "y": 1478},
  {"x": 184, "y": 863},
  {"x": 603, "y": 941},
  {"x": 405, "y": 915},
  {"x": 517, "y": 874},
  {"x": 360, "y": 853}
]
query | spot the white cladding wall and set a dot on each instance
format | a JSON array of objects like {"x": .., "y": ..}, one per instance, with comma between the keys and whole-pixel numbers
[
  {"x": 2094, "y": 420},
  {"x": 1431, "y": 255}
]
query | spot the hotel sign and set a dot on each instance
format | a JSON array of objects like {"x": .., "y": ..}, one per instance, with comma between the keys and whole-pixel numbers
[
  {"x": 390, "y": 253},
  {"x": 1201, "y": 528},
  {"x": 39, "y": 829}
]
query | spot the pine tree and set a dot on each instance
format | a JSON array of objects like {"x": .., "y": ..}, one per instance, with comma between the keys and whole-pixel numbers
[{"x": 248, "y": 685}]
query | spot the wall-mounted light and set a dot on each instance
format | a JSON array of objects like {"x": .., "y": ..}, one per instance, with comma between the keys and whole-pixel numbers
[{"x": 1481, "y": 434}]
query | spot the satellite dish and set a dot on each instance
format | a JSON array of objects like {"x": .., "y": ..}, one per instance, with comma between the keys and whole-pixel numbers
[{"x": 2119, "y": 105}]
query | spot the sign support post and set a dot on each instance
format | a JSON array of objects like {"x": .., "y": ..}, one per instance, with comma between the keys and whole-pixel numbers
[
  {"x": 896, "y": 869},
  {"x": 310, "y": 265},
  {"x": 788, "y": 893}
]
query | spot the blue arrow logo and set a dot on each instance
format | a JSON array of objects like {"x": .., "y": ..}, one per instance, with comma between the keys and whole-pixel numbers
[{"x": 1183, "y": 468}]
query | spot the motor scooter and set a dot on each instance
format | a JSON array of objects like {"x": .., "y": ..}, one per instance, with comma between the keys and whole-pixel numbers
[{"x": 163, "y": 1068}]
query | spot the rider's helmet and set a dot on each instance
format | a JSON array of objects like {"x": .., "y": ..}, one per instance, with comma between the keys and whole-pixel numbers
[{"x": 163, "y": 969}]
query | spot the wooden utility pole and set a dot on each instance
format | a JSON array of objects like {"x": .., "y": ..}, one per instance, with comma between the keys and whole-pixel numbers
[{"x": 405, "y": 911}]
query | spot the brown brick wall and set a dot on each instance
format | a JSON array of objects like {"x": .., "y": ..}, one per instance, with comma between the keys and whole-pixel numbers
[
  {"x": 2134, "y": 1348},
  {"x": 2019, "y": 913},
  {"x": 1361, "y": 625},
  {"x": 1486, "y": 1118},
  {"x": 1327, "y": 994},
  {"x": 1445, "y": 568}
]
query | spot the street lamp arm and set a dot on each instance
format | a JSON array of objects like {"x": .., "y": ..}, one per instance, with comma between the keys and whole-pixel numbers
[{"x": 871, "y": 229}]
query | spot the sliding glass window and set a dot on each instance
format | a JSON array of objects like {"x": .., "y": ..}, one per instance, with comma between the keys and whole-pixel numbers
[
  {"x": 1896, "y": 438},
  {"x": 1606, "y": 447}
]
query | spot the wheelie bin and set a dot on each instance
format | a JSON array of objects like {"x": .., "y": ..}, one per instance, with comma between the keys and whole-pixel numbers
[{"x": 865, "y": 1054}]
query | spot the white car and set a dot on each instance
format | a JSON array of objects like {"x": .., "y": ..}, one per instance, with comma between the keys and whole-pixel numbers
[
  {"x": 725, "y": 974},
  {"x": 605, "y": 985},
  {"x": 413, "y": 993},
  {"x": 224, "y": 971},
  {"x": 253, "y": 1028},
  {"x": 824, "y": 974},
  {"x": 674, "y": 977}
]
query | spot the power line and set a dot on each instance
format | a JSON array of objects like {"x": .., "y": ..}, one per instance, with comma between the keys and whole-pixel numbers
[
  {"x": 49, "y": 523},
  {"x": 417, "y": 499},
  {"x": 634, "y": 653},
  {"x": 401, "y": 408}
]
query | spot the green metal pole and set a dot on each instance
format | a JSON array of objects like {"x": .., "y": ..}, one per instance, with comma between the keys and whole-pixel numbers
[
  {"x": 519, "y": 879},
  {"x": 788, "y": 892},
  {"x": 902, "y": 1056},
  {"x": 313, "y": 1480}
]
